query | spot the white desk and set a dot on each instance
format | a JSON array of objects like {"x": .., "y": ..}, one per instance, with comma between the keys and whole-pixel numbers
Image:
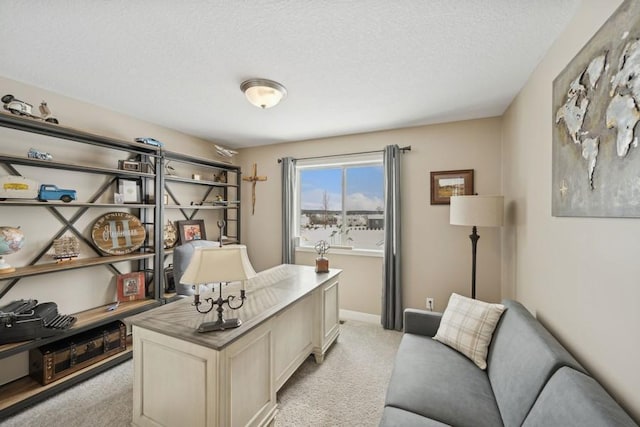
[{"x": 229, "y": 378}]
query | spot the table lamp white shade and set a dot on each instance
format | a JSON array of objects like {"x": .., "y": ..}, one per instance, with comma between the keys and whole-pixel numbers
[
  {"x": 479, "y": 211},
  {"x": 218, "y": 264}
]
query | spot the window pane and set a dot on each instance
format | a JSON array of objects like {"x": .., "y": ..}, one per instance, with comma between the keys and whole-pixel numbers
[
  {"x": 322, "y": 192},
  {"x": 320, "y": 204},
  {"x": 364, "y": 205}
]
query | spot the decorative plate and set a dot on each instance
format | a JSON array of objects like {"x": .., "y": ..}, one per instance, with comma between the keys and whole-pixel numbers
[{"x": 118, "y": 233}]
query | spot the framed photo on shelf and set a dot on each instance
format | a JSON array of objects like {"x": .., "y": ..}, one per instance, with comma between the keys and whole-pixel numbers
[
  {"x": 130, "y": 286},
  {"x": 130, "y": 190},
  {"x": 169, "y": 280},
  {"x": 134, "y": 166},
  {"x": 445, "y": 184},
  {"x": 191, "y": 230}
]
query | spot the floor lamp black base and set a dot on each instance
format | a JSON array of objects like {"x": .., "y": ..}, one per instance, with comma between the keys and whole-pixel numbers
[{"x": 474, "y": 244}]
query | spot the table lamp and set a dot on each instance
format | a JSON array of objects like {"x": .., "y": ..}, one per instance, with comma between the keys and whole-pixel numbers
[
  {"x": 217, "y": 265},
  {"x": 476, "y": 211}
]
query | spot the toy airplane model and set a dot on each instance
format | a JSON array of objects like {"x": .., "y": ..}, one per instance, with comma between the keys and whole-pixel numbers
[{"x": 225, "y": 152}]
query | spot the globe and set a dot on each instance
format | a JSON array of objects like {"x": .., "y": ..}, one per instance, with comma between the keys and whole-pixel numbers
[{"x": 11, "y": 240}]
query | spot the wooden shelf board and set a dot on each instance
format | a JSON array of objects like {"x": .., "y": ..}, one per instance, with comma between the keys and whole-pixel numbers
[
  {"x": 34, "y": 270},
  {"x": 26, "y": 387},
  {"x": 60, "y": 131},
  {"x": 198, "y": 181},
  {"x": 70, "y": 166},
  {"x": 85, "y": 320},
  {"x": 59, "y": 204},
  {"x": 185, "y": 158},
  {"x": 200, "y": 207}
]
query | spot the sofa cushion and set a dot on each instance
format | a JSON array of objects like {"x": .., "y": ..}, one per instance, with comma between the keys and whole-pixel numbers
[
  {"x": 433, "y": 380},
  {"x": 396, "y": 417},
  {"x": 467, "y": 326},
  {"x": 522, "y": 357},
  {"x": 572, "y": 398}
]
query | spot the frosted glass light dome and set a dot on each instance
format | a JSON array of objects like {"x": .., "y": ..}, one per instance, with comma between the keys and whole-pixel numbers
[{"x": 263, "y": 93}]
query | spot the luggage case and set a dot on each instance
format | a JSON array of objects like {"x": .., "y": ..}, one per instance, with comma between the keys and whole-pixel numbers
[{"x": 61, "y": 358}]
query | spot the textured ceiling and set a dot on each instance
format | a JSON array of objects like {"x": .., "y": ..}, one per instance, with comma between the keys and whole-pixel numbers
[{"x": 349, "y": 66}]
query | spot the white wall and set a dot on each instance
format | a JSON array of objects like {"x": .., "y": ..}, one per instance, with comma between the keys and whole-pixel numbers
[
  {"x": 579, "y": 275},
  {"x": 436, "y": 256}
]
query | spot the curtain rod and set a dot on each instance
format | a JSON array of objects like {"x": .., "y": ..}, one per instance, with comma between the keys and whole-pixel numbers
[{"x": 403, "y": 149}]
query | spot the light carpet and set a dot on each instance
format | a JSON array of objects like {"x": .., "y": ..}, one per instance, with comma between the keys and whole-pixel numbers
[{"x": 348, "y": 389}]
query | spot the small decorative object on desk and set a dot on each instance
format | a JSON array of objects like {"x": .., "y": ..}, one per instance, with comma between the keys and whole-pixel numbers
[{"x": 322, "y": 263}]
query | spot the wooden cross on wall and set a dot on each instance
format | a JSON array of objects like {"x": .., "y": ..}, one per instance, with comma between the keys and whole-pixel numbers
[{"x": 253, "y": 180}]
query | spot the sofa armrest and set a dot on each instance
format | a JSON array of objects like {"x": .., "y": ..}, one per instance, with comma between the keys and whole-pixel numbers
[{"x": 421, "y": 322}]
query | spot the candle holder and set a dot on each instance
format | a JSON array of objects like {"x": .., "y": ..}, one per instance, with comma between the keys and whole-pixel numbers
[
  {"x": 218, "y": 265},
  {"x": 221, "y": 324}
]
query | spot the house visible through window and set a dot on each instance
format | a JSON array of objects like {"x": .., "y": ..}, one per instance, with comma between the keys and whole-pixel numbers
[{"x": 341, "y": 200}]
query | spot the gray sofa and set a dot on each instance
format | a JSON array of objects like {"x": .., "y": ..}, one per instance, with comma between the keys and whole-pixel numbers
[{"x": 531, "y": 380}]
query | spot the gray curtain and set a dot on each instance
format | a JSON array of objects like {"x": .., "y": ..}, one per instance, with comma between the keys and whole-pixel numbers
[
  {"x": 391, "y": 278},
  {"x": 288, "y": 188}
]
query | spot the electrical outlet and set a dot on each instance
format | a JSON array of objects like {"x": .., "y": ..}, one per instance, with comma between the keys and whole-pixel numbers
[{"x": 430, "y": 304}]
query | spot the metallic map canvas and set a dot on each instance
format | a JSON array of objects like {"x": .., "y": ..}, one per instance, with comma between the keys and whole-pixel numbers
[{"x": 596, "y": 109}]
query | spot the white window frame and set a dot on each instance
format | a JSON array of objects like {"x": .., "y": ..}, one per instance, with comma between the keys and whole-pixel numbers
[{"x": 343, "y": 162}]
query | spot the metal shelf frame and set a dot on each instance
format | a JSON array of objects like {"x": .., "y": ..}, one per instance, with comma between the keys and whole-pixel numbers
[{"x": 150, "y": 258}]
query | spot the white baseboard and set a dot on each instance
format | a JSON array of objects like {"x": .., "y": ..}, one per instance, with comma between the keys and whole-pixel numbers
[{"x": 359, "y": 316}]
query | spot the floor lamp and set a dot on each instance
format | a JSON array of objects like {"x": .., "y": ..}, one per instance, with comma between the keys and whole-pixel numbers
[{"x": 476, "y": 211}]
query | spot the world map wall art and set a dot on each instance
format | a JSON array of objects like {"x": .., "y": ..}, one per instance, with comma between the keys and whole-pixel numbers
[{"x": 596, "y": 109}]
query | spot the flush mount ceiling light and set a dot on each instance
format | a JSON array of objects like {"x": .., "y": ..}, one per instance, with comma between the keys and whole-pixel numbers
[{"x": 263, "y": 93}]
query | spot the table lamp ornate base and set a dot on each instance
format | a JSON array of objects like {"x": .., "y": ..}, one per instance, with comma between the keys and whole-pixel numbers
[{"x": 219, "y": 325}]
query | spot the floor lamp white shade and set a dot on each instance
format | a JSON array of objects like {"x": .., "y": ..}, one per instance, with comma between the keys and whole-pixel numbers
[
  {"x": 476, "y": 211},
  {"x": 479, "y": 211}
]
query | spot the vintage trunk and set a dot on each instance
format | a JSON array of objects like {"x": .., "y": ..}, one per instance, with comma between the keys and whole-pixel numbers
[{"x": 56, "y": 360}]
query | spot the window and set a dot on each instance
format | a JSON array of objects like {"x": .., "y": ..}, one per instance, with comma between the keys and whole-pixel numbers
[{"x": 341, "y": 200}]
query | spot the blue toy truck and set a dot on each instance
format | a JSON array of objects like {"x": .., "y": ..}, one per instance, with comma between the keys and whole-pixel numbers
[{"x": 52, "y": 192}]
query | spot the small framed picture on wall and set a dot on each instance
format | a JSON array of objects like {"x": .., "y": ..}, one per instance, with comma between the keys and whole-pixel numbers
[{"x": 445, "y": 184}]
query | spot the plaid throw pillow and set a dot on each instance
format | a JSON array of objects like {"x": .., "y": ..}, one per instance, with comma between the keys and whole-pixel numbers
[{"x": 467, "y": 326}]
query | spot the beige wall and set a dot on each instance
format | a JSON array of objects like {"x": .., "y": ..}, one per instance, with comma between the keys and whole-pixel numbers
[
  {"x": 436, "y": 256},
  {"x": 579, "y": 275}
]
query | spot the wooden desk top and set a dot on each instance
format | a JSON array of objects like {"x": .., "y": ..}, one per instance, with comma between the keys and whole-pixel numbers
[{"x": 270, "y": 292}]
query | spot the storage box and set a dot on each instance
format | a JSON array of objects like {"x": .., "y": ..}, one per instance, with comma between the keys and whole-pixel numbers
[{"x": 59, "y": 359}]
